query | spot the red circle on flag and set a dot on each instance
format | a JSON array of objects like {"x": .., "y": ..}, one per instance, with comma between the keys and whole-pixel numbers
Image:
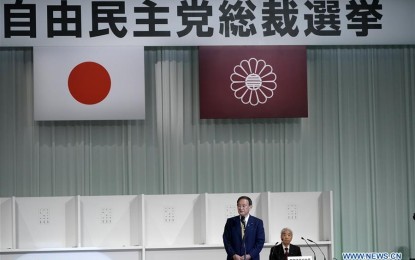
[{"x": 89, "y": 83}]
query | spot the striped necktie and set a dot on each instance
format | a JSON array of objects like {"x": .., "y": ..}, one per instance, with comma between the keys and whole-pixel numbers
[{"x": 243, "y": 226}]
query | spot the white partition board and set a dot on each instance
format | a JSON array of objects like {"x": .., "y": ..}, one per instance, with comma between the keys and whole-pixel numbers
[
  {"x": 47, "y": 222},
  {"x": 181, "y": 254},
  {"x": 220, "y": 207},
  {"x": 299, "y": 211},
  {"x": 6, "y": 223},
  {"x": 106, "y": 255},
  {"x": 182, "y": 226},
  {"x": 106, "y": 221},
  {"x": 173, "y": 220},
  {"x": 326, "y": 232}
]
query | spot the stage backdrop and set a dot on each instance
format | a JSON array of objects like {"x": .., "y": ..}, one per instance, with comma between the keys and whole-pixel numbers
[{"x": 358, "y": 141}]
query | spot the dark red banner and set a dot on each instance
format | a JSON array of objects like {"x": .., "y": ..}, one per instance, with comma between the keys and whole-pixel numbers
[{"x": 253, "y": 81}]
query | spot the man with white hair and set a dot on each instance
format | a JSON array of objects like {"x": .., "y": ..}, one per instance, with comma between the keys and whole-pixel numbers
[{"x": 285, "y": 249}]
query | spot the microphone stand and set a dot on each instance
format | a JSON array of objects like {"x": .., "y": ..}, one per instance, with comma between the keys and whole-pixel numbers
[
  {"x": 317, "y": 247},
  {"x": 309, "y": 247},
  {"x": 243, "y": 238},
  {"x": 243, "y": 241},
  {"x": 272, "y": 251}
]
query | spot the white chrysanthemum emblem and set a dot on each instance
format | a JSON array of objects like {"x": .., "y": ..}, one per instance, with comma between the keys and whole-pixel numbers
[{"x": 253, "y": 81}]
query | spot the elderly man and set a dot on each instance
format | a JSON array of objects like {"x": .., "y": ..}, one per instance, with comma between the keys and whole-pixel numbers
[{"x": 285, "y": 249}]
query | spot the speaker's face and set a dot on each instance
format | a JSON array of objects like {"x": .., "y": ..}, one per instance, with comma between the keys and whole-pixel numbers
[{"x": 243, "y": 207}]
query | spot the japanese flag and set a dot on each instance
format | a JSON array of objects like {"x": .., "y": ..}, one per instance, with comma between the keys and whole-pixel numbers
[
  {"x": 88, "y": 83},
  {"x": 253, "y": 81}
]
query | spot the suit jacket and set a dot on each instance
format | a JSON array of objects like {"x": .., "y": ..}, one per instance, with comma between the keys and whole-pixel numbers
[
  {"x": 254, "y": 237},
  {"x": 278, "y": 253}
]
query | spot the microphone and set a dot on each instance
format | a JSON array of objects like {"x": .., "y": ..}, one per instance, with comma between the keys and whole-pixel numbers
[
  {"x": 272, "y": 250},
  {"x": 318, "y": 247},
  {"x": 309, "y": 247}
]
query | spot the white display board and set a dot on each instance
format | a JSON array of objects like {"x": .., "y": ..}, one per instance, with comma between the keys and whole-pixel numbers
[
  {"x": 49, "y": 222},
  {"x": 180, "y": 226},
  {"x": 304, "y": 215},
  {"x": 174, "y": 220},
  {"x": 110, "y": 221}
]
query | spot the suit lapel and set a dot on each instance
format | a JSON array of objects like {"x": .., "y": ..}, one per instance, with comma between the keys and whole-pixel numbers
[{"x": 249, "y": 226}]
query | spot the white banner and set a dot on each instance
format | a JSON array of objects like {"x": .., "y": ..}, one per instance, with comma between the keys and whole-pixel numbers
[{"x": 206, "y": 22}]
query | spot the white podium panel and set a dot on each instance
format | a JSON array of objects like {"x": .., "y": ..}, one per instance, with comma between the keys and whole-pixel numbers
[
  {"x": 303, "y": 212},
  {"x": 48, "y": 222},
  {"x": 110, "y": 221},
  {"x": 174, "y": 220}
]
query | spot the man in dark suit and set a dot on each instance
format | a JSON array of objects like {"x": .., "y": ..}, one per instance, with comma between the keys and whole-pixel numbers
[
  {"x": 285, "y": 249},
  {"x": 244, "y": 235}
]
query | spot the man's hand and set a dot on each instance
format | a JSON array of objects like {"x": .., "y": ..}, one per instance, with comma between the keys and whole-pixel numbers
[{"x": 238, "y": 257}]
